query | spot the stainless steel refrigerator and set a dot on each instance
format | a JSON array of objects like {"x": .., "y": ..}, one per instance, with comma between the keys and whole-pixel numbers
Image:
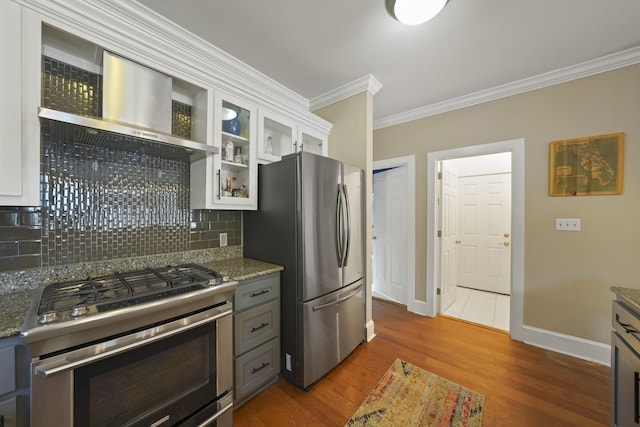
[{"x": 310, "y": 220}]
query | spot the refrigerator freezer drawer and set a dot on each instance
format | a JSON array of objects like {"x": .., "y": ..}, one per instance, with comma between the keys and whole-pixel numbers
[{"x": 333, "y": 328}]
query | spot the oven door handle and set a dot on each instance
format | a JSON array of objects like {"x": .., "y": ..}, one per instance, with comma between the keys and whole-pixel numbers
[
  {"x": 217, "y": 414},
  {"x": 129, "y": 342}
]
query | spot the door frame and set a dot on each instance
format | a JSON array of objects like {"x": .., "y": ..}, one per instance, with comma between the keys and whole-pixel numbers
[
  {"x": 516, "y": 147},
  {"x": 410, "y": 163}
]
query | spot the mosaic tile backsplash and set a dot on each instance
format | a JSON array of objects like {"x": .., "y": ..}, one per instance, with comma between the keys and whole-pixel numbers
[
  {"x": 104, "y": 202},
  {"x": 20, "y": 237},
  {"x": 70, "y": 89},
  {"x": 101, "y": 204}
]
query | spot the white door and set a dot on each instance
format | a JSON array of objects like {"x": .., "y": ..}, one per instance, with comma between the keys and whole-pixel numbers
[
  {"x": 485, "y": 232},
  {"x": 390, "y": 235},
  {"x": 449, "y": 241}
]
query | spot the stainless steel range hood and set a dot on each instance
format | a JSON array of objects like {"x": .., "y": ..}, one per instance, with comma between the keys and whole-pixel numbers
[
  {"x": 136, "y": 109},
  {"x": 121, "y": 136}
]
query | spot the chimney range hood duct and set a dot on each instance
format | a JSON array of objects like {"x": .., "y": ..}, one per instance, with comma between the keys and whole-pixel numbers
[{"x": 136, "y": 110}]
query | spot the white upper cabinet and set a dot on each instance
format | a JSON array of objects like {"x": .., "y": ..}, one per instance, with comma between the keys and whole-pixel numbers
[
  {"x": 312, "y": 141},
  {"x": 279, "y": 136},
  {"x": 228, "y": 180},
  {"x": 19, "y": 143},
  {"x": 276, "y": 136},
  {"x": 207, "y": 86}
]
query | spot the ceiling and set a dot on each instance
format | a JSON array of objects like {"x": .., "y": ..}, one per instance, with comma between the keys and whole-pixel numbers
[{"x": 315, "y": 46}]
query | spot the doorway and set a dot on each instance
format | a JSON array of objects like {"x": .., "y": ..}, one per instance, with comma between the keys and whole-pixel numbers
[
  {"x": 475, "y": 248},
  {"x": 393, "y": 230},
  {"x": 516, "y": 148}
]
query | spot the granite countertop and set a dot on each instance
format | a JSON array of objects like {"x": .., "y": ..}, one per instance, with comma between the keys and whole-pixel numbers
[
  {"x": 15, "y": 304},
  {"x": 242, "y": 268},
  {"x": 631, "y": 296},
  {"x": 13, "y": 309}
]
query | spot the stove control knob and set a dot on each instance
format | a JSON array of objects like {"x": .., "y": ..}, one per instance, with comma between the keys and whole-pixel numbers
[
  {"x": 47, "y": 317},
  {"x": 78, "y": 311}
]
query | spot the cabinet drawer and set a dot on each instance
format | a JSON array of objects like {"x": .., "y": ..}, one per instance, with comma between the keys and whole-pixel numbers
[
  {"x": 256, "y": 291},
  {"x": 627, "y": 325},
  {"x": 9, "y": 412},
  {"x": 257, "y": 368},
  {"x": 7, "y": 370},
  {"x": 256, "y": 326}
]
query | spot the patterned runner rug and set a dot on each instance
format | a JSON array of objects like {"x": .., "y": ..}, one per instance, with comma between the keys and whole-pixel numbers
[{"x": 410, "y": 396}]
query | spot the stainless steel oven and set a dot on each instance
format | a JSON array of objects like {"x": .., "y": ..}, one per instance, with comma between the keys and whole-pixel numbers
[{"x": 163, "y": 358}]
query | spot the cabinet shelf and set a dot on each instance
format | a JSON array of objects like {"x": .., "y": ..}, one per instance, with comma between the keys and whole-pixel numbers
[
  {"x": 235, "y": 138},
  {"x": 235, "y": 164}
]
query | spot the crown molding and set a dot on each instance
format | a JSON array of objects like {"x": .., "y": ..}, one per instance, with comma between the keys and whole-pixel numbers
[
  {"x": 585, "y": 69},
  {"x": 367, "y": 83},
  {"x": 133, "y": 30}
]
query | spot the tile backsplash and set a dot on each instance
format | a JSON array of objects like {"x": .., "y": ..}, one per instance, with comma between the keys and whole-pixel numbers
[
  {"x": 20, "y": 237},
  {"x": 104, "y": 202},
  {"x": 99, "y": 204}
]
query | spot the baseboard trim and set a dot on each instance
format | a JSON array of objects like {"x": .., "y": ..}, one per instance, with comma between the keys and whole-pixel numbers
[
  {"x": 369, "y": 328},
  {"x": 581, "y": 348}
]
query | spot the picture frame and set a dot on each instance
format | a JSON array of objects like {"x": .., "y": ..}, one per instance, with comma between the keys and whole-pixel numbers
[{"x": 592, "y": 165}]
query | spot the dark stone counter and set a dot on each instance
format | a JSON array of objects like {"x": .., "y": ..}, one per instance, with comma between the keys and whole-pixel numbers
[{"x": 15, "y": 300}]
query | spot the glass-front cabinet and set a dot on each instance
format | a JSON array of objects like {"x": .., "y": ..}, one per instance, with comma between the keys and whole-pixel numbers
[
  {"x": 279, "y": 136},
  {"x": 312, "y": 141},
  {"x": 228, "y": 180}
]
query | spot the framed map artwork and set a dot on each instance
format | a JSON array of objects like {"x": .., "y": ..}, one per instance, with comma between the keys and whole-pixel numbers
[{"x": 587, "y": 166}]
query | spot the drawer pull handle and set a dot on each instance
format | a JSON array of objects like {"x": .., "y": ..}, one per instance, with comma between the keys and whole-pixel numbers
[
  {"x": 257, "y": 328},
  {"x": 627, "y": 328},
  {"x": 262, "y": 292},
  {"x": 264, "y": 365}
]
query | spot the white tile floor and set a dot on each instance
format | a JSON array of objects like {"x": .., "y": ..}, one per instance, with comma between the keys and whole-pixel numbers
[{"x": 481, "y": 307}]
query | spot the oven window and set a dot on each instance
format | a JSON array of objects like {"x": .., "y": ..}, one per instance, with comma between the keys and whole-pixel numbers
[{"x": 171, "y": 378}]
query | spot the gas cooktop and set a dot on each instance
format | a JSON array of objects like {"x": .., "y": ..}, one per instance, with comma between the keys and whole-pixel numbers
[
  {"x": 71, "y": 313},
  {"x": 106, "y": 293}
]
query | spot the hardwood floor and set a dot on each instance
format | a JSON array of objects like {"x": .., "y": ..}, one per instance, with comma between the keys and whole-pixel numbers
[{"x": 523, "y": 385}]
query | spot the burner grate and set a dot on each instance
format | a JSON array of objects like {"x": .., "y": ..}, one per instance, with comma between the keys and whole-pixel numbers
[{"x": 126, "y": 289}]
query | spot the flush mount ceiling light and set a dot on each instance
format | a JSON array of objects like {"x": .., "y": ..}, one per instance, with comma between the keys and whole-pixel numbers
[{"x": 414, "y": 12}]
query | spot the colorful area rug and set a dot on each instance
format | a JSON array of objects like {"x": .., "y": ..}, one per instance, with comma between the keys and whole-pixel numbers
[{"x": 409, "y": 396}]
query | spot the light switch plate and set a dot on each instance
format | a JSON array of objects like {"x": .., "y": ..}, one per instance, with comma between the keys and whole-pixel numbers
[
  {"x": 567, "y": 224},
  {"x": 223, "y": 240}
]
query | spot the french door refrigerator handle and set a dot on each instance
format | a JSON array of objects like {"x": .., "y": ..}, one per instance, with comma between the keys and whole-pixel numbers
[
  {"x": 329, "y": 304},
  {"x": 339, "y": 227},
  {"x": 347, "y": 244}
]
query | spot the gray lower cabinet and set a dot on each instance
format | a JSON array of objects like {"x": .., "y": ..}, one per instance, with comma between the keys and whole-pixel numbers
[
  {"x": 256, "y": 330},
  {"x": 625, "y": 366},
  {"x": 14, "y": 391}
]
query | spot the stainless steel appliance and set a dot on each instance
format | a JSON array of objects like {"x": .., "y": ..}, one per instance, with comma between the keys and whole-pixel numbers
[
  {"x": 150, "y": 347},
  {"x": 135, "y": 115},
  {"x": 310, "y": 220}
]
